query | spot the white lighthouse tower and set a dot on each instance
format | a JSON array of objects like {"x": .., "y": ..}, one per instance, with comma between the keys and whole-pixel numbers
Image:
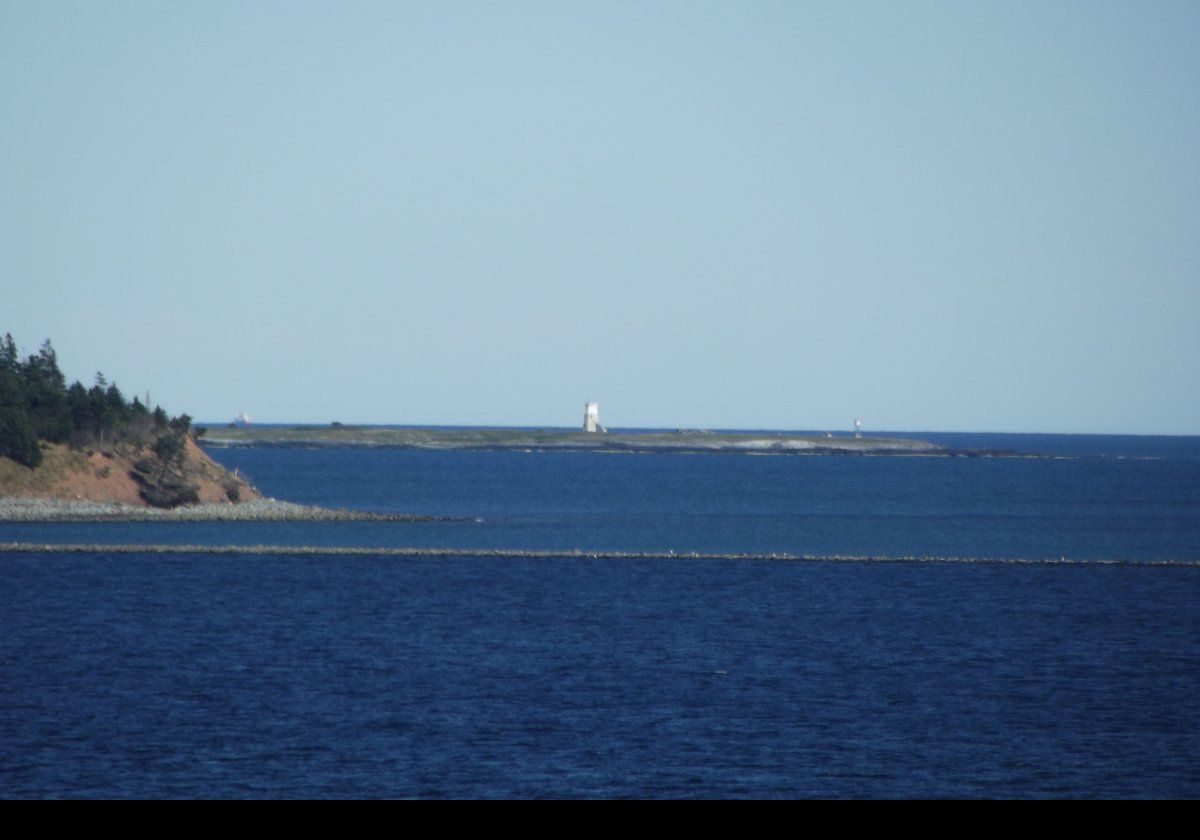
[{"x": 591, "y": 418}]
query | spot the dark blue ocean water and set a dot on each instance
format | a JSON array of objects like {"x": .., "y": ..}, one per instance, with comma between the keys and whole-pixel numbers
[{"x": 190, "y": 675}]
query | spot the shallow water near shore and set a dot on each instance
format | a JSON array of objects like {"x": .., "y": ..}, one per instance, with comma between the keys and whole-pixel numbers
[
  {"x": 290, "y": 675},
  {"x": 1119, "y": 498}
]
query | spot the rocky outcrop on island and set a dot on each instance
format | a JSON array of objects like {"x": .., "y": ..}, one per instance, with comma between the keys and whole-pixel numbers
[{"x": 127, "y": 475}]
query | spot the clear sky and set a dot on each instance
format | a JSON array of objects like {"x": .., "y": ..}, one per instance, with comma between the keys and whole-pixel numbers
[{"x": 935, "y": 216}]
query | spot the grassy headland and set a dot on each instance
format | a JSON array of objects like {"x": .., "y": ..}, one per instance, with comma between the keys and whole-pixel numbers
[{"x": 81, "y": 444}]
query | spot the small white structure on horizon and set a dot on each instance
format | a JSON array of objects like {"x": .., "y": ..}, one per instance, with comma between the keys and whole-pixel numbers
[
  {"x": 591, "y": 418},
  {"x": 242, "y": 419},
  {"x": 857, "y": 428}
]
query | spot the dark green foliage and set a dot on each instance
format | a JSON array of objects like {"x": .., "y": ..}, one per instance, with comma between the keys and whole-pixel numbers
[
  {"x": 35, "y": 403},
  {"x": 163, "y": 488},
  {"x": 17, "y": 440},
  {"x": 46, "y": 395},
  {"x": 79, "y": 406},
  {"x": 169, "y": 449},
  {"x": 161, "y": 475},
  {"x": 17, "y": 437}
]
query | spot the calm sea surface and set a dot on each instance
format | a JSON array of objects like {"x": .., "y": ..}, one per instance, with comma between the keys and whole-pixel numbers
[{"x": 191, "y": 675}]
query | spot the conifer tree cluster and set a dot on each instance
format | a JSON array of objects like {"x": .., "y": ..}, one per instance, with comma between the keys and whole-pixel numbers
[{"x": 37, "y": 405}]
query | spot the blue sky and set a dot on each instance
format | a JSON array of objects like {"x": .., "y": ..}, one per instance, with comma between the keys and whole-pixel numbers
[{"x": 934, "y": 216}]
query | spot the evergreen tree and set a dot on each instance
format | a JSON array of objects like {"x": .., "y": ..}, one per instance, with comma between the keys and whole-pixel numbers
[
  {"x": 17, "y": 438},
  {"x": 9, "y": 363},
  {"x": 45, "y": 395}
]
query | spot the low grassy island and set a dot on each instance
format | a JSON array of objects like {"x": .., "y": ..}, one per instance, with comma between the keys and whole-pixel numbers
[{"x": 338, "y": 434}]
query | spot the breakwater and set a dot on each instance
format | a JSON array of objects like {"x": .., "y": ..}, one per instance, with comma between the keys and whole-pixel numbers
[{"x": 550, "y": 554}]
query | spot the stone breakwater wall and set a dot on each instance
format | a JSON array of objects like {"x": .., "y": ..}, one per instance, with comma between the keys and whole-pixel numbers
[
  {"x": 527, "y": 554},
  {"x": 258, "y": 510}
]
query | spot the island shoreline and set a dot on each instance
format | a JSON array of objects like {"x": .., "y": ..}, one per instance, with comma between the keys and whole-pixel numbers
[
  {"x": 491, "y": 439},
  {"x": 258, "y": 510}
]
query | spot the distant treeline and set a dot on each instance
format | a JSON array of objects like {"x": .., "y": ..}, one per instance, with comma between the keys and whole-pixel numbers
[{"x": 36, "y": 404}]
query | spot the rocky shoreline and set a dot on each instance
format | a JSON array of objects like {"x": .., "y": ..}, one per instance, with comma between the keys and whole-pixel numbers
[{"x": 256, "y": 510}]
